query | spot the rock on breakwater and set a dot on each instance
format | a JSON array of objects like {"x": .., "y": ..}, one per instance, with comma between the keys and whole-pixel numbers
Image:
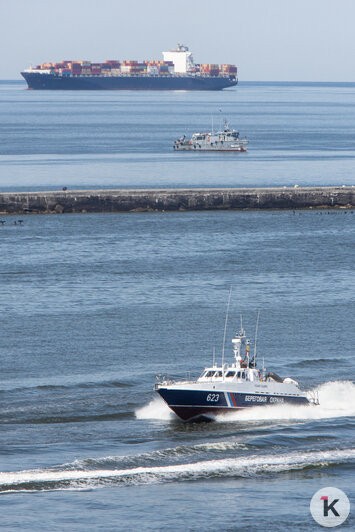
[{"x": 140, "y": 200}]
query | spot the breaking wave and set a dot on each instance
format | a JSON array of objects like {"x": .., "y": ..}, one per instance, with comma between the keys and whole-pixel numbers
[
  {"x": 170, "y": 453},
  {"x": 244, "y": 466}
]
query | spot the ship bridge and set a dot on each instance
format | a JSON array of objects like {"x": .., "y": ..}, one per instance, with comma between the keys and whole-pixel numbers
[{"x": 181, "y": 57}]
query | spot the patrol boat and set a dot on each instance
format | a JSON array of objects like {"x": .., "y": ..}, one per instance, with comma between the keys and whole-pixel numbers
[
  {"x": 224, "y": 140},
  {"x": 228, "y": 388}
]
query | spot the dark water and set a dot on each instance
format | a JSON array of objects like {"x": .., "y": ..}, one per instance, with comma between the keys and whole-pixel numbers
[{"x": 94, "y": 306}]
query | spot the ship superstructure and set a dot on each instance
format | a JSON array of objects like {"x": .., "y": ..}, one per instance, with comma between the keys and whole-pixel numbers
[
  {"x": 181, "y": 58},
  {"x": 177, "y": 71}
]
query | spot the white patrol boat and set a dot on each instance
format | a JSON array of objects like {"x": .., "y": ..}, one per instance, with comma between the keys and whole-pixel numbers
[
  {"x": 227, "y": 388},
  {"x": 225, "y": 140}
]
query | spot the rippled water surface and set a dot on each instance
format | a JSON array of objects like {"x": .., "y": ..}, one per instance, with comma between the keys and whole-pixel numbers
[
  {"x": 299, "y": 134},
  {"x": 93, "y": 307}
]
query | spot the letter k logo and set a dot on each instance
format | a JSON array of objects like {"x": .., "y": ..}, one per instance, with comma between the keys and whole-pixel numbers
[
  {"x": 327, "y": 507},
  {"x": 330, "y": 507}
]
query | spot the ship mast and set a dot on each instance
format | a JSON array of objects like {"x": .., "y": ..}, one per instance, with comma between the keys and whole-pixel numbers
[
  {"x": 256, "y": 336},
  {"x": 225, "y": 325}
]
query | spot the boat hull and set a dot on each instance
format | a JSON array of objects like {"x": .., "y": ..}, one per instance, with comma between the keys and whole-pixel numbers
[
  {"x": 198, "y": 150},
  {"x": 39, "y": 81},
  {"x": 190, "y": 405}
]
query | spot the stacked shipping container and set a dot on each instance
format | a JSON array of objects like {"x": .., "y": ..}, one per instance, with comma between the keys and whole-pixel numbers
[
  {"x": 212, "y": 70},
  {"x": 229, "y": 69},
  {"x": 114, "y": 67}
]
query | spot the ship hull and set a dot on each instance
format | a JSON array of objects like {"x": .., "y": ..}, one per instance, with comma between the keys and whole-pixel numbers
[
  {"x": 38, "y": 81},
  {"x": 194, "y": 405},
  {"x": 197, "y": 150}
]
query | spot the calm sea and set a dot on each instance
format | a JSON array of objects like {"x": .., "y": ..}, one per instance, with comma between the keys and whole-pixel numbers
[
  {"x": 93, "y": 307},
  {"x": 299, "y": 134}
]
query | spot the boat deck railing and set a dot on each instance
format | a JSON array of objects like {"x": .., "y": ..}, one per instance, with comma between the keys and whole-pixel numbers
[{"x": 167, "y": 380}]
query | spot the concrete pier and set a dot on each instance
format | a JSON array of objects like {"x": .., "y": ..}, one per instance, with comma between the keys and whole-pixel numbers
[{"x": 150, "y": 200}]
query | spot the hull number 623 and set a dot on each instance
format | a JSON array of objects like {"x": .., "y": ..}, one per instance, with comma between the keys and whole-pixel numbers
[{"x": 213, "y": 397}]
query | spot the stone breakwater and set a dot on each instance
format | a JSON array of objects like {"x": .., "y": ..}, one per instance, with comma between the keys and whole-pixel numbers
[{"x": 150, "y": 200}]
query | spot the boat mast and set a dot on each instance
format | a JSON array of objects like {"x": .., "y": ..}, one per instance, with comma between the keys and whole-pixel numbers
[
  {"x": 225, "y": 325},
  {"x": 256, "y": 336}
]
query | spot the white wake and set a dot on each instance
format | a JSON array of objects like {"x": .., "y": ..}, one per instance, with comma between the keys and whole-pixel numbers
[
  {"x": 156, "y": 409},
  {"x": 32, "y": 480},
  {"x": 336, "y": 398}
]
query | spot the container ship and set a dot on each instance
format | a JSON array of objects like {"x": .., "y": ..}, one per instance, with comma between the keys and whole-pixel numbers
[{"x": 177, "y": 71}]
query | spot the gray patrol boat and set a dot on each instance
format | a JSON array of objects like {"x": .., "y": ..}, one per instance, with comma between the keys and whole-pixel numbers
[{"x": 224, "y": 140}]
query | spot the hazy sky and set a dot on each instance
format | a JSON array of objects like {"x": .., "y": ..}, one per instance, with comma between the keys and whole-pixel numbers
[{"x": 295, "y": 40}]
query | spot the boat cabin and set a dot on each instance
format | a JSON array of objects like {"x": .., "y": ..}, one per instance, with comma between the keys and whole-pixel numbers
[
  {"x": 199, "y": 136},
  {"x": 242, "y": 370},
  {"x": 229, "y": 374}
]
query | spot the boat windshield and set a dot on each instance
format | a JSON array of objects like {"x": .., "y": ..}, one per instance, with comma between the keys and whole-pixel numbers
[
  {"x": 209, "y": 373},
  {"x": 230, "y": 374}
]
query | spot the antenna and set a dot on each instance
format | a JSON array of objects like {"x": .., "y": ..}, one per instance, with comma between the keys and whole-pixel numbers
[
  {"x": 256, "y": 335},
  {"x": 213, "y": 356},
  {"x": 225, "y": 324}
]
